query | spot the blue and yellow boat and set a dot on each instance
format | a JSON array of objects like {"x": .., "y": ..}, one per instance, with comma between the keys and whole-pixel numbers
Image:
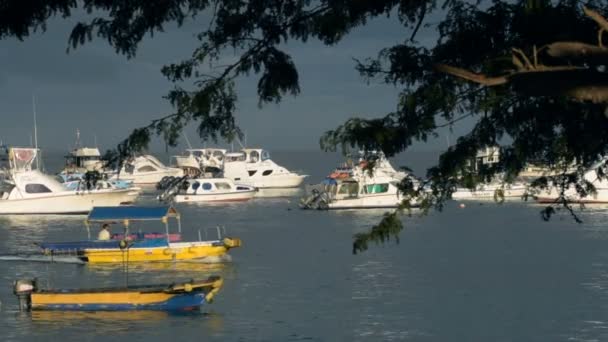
[
  {"x": 140, "y": 249},
  {"x": 167, "y": 297}
]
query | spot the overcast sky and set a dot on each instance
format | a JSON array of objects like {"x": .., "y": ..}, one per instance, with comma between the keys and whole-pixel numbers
[{"x": 105, "y": 95}]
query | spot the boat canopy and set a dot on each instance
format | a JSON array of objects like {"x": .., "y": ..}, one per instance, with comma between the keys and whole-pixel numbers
[{"x": 103, "y": 214}]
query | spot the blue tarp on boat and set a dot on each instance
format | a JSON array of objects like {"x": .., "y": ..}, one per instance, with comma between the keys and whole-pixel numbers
[
  {"x": 96, "y": 244},
  {"x": 101, "y": 214}
]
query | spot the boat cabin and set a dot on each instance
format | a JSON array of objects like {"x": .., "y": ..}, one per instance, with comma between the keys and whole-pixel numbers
[
  {"x": 255, "y": 155},
  {"x": 350, "y": 188},
  {"x": 84, "y": 158}
]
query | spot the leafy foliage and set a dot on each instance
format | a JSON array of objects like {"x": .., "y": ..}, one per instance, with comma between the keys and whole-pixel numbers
[{"x": 524, "y": 114}]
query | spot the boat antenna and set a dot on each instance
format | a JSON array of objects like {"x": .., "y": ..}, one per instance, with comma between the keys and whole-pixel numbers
[
  {"x": 95, "y": 139},
  {"x": 77, "y": 138},
  {"x": 35, "y": 132},
  {"x": 239, "y": 140},
  {"x": 187, "y": 141}
]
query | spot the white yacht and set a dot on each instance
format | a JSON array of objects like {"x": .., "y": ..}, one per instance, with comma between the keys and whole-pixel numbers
[
  {"x": 209, "y": 190},
  {"x": 356, "y": 188},
  {"x": 355, "y": 193},
  {"x": 29, "y": 191},
  {"x": 146, "y": 169},
  {"x": 254, "y": 167}
]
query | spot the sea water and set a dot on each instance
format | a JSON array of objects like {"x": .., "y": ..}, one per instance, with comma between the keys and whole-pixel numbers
[{"x": 485, "y": 272}]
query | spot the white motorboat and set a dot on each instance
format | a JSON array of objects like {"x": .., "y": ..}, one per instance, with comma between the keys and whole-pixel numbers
[
  {"x": 146, "y": 169},
  {"x": 255, "y": 168},
  {"x": 352, "y": 186},
  {"x": 209, "y": 190},
  {"x": 29, "y": 191},
  {"x": 491, "y": 191},
  {"x": 355, "y": 193}
]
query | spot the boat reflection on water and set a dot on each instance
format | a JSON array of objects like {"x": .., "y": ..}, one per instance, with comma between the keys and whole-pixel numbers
[
  {"x": 121, "y": 322},
  {"x": 278, "y": 193},
  {"x": 197, "y": 268}
]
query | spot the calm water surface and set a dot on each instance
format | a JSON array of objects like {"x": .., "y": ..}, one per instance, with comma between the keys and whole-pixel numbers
[{"x": 487, "y": 272}]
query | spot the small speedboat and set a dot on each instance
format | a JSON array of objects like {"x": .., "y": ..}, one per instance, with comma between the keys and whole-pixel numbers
[
  {"x": 208, "y": 190},
  {"x": 139, "y": 247},
  {"x": 183, "y": 296}
]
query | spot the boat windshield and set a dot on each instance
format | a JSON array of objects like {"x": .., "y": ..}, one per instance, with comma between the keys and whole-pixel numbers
[{"x": 265, "y": 155}]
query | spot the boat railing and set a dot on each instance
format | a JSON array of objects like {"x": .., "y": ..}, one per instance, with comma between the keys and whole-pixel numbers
[{"x": 221, "y": 231}]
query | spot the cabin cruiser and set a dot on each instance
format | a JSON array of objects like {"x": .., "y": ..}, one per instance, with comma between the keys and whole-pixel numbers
[
  {"x": 201, "y": 160},
  {"x": 358, "y": 192},
  {"x": 29, "y": 191},
  {"x": 146, "y": 169},
  {"x": 207, "y": 190},
  {"x": 356, "y": 186},
  {"x": 254, "y": 167}
]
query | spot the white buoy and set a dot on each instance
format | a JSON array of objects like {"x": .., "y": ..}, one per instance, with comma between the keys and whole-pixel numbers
[{"x": 462, "y": 205}]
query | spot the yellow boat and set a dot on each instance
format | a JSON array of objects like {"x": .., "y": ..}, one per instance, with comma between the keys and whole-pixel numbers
[
  {"x": 141, "y": 249},
  {"x": 170, "y": 297}
]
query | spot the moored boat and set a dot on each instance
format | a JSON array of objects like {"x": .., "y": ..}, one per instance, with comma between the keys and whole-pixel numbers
[
  {"x": 26, "y": 190},
  {"x": 353, "y": 186},
  {"x": 255, "y": 168},
  {"x": 208, "y": 190},
  {"x": 169, "y": 297}
]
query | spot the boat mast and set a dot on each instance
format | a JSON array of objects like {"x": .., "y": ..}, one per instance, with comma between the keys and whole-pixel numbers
[{"x": 35, "y": 133}]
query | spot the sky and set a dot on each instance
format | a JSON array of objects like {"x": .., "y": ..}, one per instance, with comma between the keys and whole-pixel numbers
[{"x": 106, "y": 95}]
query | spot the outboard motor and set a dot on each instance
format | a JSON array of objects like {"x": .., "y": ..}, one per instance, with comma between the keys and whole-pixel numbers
[{"x": 23, "y": 289}]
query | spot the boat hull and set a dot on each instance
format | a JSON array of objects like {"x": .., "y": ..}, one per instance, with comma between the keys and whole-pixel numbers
[
  {"x": 68, "y": 203},
  {"x": 466, "y": 194},
  {"x": 274, "y": 182},
  {"x": 117, "y": 301},
  {"x": 184, "y": 296},
  {"x": 216, "y": 197},
  {"x": 367, "y": 202}
]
